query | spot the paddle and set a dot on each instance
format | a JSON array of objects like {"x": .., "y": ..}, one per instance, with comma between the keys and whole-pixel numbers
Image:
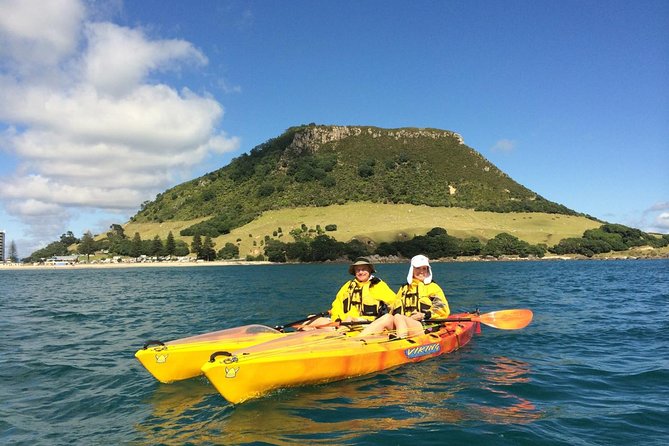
[
  {"x": 503, "y": 319},
  {"x": 300, "y": 321}
]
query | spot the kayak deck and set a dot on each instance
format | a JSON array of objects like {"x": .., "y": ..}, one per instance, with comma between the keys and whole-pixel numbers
[
  {"x": 311, "y": 358},
  {"x": 183, "y": 358}
]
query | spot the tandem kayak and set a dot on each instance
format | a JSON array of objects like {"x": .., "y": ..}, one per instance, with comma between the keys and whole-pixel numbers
[
  {"x": 317, "y": 357},
  {"x": 183, "y": 358}
]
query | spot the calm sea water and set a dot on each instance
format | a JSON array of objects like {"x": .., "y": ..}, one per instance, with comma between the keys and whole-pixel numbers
[{"x": 592, "y": 368}]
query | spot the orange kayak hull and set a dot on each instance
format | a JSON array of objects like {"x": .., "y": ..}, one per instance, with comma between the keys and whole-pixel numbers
[{"x": 313, "y": 358}]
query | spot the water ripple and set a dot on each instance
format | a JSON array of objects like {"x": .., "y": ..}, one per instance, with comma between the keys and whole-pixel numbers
[{"x": 592, "y": 368}]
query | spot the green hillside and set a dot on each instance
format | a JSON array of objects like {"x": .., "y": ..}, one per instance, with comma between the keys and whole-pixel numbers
[
  {"x": 318, "y": 166},
  {"x": 379, "y": 223}
]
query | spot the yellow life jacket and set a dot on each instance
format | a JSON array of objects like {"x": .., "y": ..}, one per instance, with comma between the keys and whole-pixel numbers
[
  {"x": 361, "y": 300},
  {"x": 418, "y": 297}
]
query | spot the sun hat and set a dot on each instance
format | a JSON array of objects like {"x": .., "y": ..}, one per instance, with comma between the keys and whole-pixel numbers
[
  {"x": 417, "y": 262},
  {"x": 360, "y": 261}
]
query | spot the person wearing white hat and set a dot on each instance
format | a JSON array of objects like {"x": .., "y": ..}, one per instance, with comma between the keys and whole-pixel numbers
[{"x": 420, "y": 298}]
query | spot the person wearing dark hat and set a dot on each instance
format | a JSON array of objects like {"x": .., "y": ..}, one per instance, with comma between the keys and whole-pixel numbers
[
  {"x": 362, "y": 298},
  {"x": 420, "y": 298}
]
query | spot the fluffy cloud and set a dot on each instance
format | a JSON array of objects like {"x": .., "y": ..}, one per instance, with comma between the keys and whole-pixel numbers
[
  {"x": 119, "y": 58},
  {"x": 34, "y": 33},
  {"x": 659, "y": 214},
  {"x": 655, "y": 218},
  {"x": 87, "y": 126},
  {"x": 662, "y": 222}
]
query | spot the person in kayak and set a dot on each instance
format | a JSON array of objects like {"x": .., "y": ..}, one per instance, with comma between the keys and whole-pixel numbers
[
  {"x": 418, "y": 299},
  {"x": 363, "y": 298}
]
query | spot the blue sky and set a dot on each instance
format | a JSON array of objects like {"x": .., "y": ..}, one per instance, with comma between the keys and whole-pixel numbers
[{"x": 105, "y": 104}]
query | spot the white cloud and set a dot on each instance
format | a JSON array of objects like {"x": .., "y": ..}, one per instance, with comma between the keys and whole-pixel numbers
[
  {"x": 35, "y": 33},
  {"x": 35, "y": 208},
  {"x": 43, "y": 222},
  {"x": 119, "y": 58},
  {"x": 655, "y": 218},
  {"x": 662, "y": 222},
  {"x": 45, "y": 190},
  {"x": 504, "y": 146},
  {"x": 150, "y": 118},
  {"x": 86, "y": 119}
]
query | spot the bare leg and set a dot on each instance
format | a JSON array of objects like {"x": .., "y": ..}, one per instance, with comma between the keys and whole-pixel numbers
[
  {"x": 385, "y": 322},
  {"x": 405, "y": 326},
  {"x": 415, "y": 327},
  {"x": 317, "y": 323}
]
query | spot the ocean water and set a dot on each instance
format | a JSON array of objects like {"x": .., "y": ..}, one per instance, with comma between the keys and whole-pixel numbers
[{"x": 591, "y": 369}]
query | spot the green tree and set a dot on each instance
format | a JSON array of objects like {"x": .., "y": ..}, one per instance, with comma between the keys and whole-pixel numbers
[
  {"x": 116, "y": 230},
  {"x": 208, "y": 253},
  {"x": 156, "y": 246},
  {"x": 229, "y": 251},
  {"x": 50, "y": 250},
  {"x": 630, "y": 236},
  {"x": 436, "y": 231},
  {"x": 136, "y": 246},
  {"x": 580, "y": 245},
  {"x": 170, "y": 246},
  {"x": 355, "y": 248},
  {"x": 181, "y": 248},
  {"x": 13, "y": 253},
  {"x": 507, "y": 244},
  {"x": 117, "y": 240},
  {"x": 502, "y": 244},
  {"x": 87, "y": 245},
  {"x": 196, "y": 245},
  {"x": 326, "y": 248},
  {"x": 366, "y": 168},
  {"x": 68, "y": 239},
  {"x": 471, "y": 246},
  {"x": 275, "y": 251},
  {"x": 265, "y": 190},
  {"x": 299, "y": 250},
  {"x": 613, "y": 239},
  {"x": 444, "y": 245},
  {"x": 387, "y": 249}
]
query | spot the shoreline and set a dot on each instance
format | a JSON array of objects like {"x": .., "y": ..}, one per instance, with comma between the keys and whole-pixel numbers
[
  {"x": 173, "y": 264},
  {"x": 118, "y": 265}
]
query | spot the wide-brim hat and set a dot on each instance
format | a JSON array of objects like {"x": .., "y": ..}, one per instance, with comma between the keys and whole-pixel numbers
[
  {"x": 360, "y": 261},
  {"x": 417, "y": 262}
]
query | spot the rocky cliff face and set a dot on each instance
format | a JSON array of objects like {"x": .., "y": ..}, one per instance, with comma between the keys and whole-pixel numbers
[
  {"x": 311, "y": 138},
  {"x": 316, "y": 136}
]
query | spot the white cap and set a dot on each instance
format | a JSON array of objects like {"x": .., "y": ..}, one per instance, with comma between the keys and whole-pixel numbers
[{"x": 417, "y": 262}]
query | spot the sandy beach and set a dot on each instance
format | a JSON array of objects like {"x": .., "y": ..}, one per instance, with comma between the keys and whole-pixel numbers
[
  {"x": 633, "y": 254},
  {"x": 16, "y": 266}
]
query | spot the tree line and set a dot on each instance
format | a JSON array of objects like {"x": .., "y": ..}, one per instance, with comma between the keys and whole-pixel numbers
[
  {"x": 316, "y": 246},
  {"x": 437, "y": 243},
  {"x": 608, "y": 238},
  {"x": 118, "y": 243}
]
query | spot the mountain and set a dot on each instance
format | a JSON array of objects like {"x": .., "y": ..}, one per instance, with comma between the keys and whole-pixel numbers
[{"x": 317, "y": 165}]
